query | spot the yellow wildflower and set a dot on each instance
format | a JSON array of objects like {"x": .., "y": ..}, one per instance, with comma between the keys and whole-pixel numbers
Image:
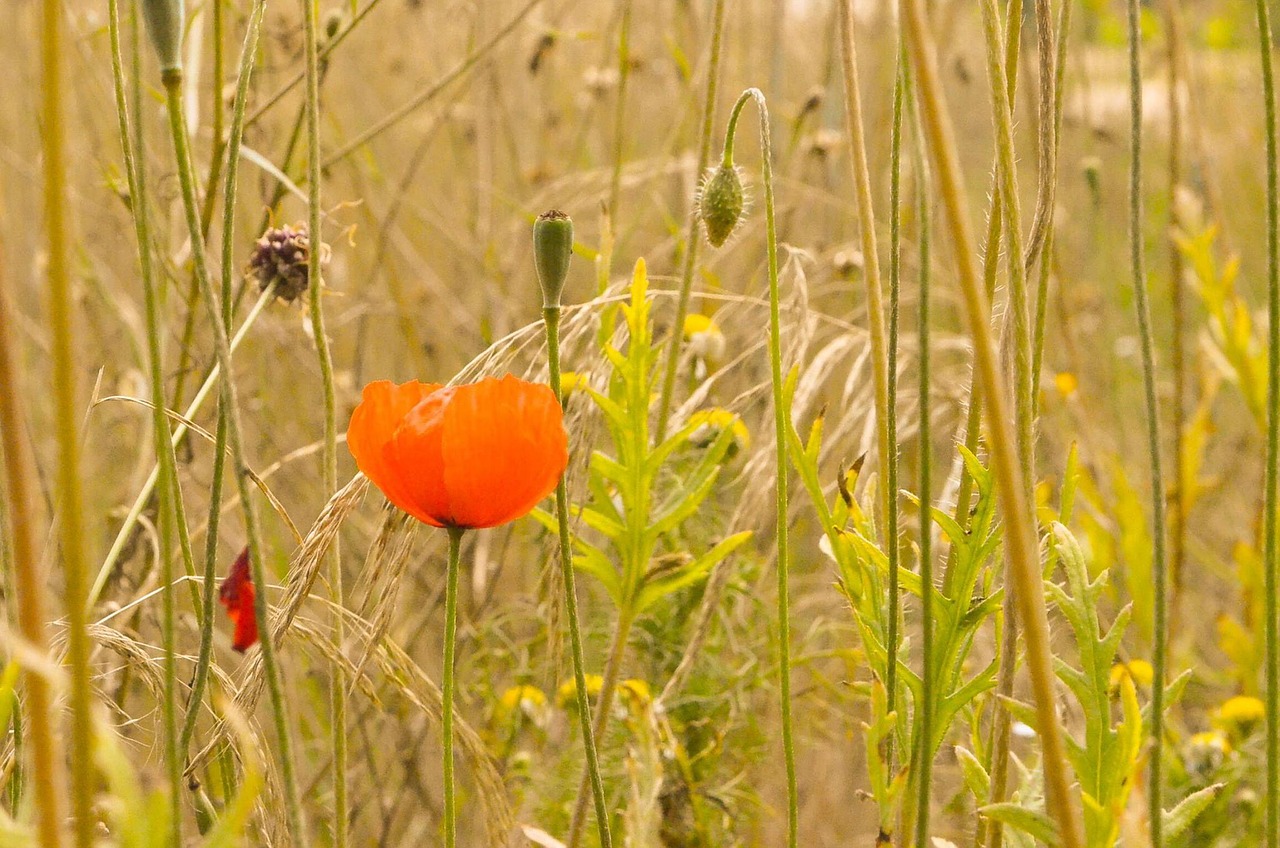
[
  {"x": 710, "y": 423},
  {"x": 571, "y": 381},
  {"x": 1066, "y": 383},
  {"x": 567, "y": 694},
  {"x": 703, "y": 337},
  {"x": 1139, "y": 671},
  {"x": 1240, "y": 716}
]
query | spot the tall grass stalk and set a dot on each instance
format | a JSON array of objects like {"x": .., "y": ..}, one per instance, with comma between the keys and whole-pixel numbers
[
  {"x": 53, "y": 160},
  {"x": 232, "y": 149},
  {"x": 1271, "y": 554},
  {"x": 41, "y": 728},
  {"x": 172, "y": 79},
  {"x": 875, "y": 319},
  {"x": 691, "y": 239},
  {"x": 1020, "y": 542},
  {"x": 1159, "y": 565},
  {"x": 551, "y": 318},
  {"x": 924, "y": 733},
  {"x": 781, "y": 425},
  {"x": 1177, "y": 300},
  {"x": 329, "y": 458},
  {"x": 620, "y": 110},
  {"x": 891, "y": 401},
  {"x": 172, "y": 518}
]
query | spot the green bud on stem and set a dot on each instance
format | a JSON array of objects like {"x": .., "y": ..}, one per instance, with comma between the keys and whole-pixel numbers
[
  {"x": 552, "y": 250},
  {"x": 720, "y": 203},
  {"x": 164, "y": 24}
]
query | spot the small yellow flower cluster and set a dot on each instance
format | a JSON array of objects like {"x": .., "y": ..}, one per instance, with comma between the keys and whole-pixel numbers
[
  {"x": 1238, "y": 717},
  {"x": 708, "y": 424}
]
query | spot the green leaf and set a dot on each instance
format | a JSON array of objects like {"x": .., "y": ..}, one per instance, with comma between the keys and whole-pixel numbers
[
  {"x": 591, "y": 560},
  {"x": 1032, "y": 822},
  {"x": 975, "y": 776},
  {"x": 1181, "y": 817},
  {"x": 658, "y": 588}
]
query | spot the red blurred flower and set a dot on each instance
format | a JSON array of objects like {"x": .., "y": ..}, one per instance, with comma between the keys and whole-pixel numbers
[
  {"x": 236, "y": 594},
  {"x": 469, "y": 456}
]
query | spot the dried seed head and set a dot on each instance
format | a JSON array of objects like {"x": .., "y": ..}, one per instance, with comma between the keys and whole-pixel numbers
[
  {"x": 721, "y": 203},
  {"x": 281, "y": 257},
  {"x": 164, "y": 26},
  {"x": 552, "y": 250}
]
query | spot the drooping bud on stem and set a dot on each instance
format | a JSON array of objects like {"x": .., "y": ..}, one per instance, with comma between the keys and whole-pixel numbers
[
  {"x": 721, "y": 202},
  {"x": 164, "y": 25},
  {"x": 552, "y": 250}
]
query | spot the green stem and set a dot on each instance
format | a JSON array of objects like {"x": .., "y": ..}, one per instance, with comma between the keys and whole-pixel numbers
[
  {"x": 229, "y": 398},
  {"x": 551, "y": 316},
  {"x": 66, "y": 414},
  {"x": 1270, "y": 552},
  {"x": 604, "y": 708},
  {"x": 620, "y": 130},
  {"x": 446, "y": 718},
  {"x": 891, "y": 405},
  {"x": 880, "y": 358},
  {"x": 1159, "y": 563},
  {"x": 1020, "y": 539},
  {"x": 204, "y": 658},
  {"x": 329, "y": 460},
  {"x": 925, "y": 749},
  {"x": 692, "y": 241}
]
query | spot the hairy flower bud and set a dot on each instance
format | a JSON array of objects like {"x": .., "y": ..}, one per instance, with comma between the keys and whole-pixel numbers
[
  {"x": 720, "y": 203},
  {"x": 164, "y": 25},
  {"x": 552, "y": 250}
]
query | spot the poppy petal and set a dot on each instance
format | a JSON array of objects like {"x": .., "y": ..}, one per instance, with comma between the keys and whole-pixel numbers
[
  {"x": 237, "y": 595},
  {"x": 414, "y": 457},
  {"x": 382, "y": 409},
  {"x": 505, "y": 448}
]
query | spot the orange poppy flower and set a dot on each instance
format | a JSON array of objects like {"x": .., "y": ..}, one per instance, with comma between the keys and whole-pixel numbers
[{"x": 468, "y": 456}]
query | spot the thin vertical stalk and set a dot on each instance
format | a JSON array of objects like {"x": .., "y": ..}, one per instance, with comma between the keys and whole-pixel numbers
[
  {"x": 620, "y": 110},
  {"x": 173, "y": 514},
  {"x": 891, "y": 401},
  {"x": 172, "y": 79},
  {"x": 1270, "y": 505},
  {"x": 1159, "y": 563},
  {"x": 781, "y": 425},
  {"x": 875, "y": 318},
  {"x": 66, "y": 414},
  {"x": 329, "y": 459},
  {"x": 551, "y": 316},
  {"x": 47, "y": 777},
  {"x": 247, "y": 54},
  {"x": 1177, "y": 300},
  {"x": 691, "y": 235},
  {"x": 924, "y": 735},
  {"x": 1020, "y": 542},
  {"x": 446, "y": 717}
]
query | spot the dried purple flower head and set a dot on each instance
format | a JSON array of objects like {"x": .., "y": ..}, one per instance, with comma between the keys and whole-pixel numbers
[{"x": 280, "y": 257}]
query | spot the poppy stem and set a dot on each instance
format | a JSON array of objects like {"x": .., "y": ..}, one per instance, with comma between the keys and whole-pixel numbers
[
  {"x": 551, "y": 316},
  {"x": 446, "y": 719}
]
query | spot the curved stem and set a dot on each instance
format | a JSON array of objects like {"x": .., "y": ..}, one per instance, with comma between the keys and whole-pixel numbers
[
  {"x": 229, "y": 398},
  {"x": 1020, "y": 542},
  {"x": 781, "y": 426},
  {"x": 446, "y": 720},
  {"x": 691, "y": 236},
  {"x": 551, "y": 317}
]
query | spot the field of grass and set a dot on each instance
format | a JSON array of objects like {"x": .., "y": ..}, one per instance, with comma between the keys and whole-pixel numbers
[{"x": 920, "y": 481}]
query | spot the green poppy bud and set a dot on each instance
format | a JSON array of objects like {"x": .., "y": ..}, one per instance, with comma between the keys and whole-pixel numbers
[
  {"x": 720, "y": 203},
  {"x": 552, "y": 250},
  {"x": 164, "y": 24}
]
